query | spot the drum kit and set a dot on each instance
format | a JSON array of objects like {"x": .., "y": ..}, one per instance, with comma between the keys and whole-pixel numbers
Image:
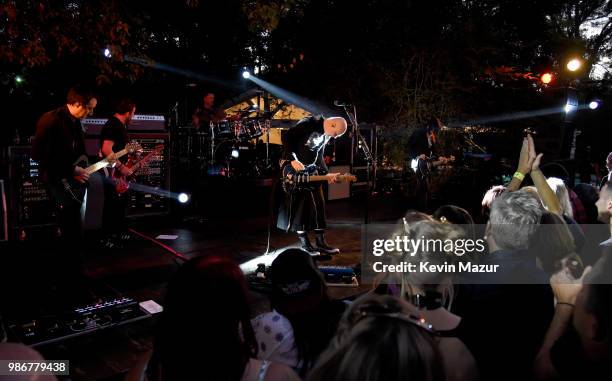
[{"x": 231, "y": 148}]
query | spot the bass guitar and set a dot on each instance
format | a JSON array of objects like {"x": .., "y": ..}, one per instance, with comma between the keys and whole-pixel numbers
[
  {"x": 293, "y": 180},
  {"x": 71, "y": 190},
  {"x": 422, "y": 167},
  {"x": 122, "y": 183}
]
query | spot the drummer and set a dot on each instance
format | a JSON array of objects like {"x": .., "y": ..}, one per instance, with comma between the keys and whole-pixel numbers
[{"x": 207, "y": 113}]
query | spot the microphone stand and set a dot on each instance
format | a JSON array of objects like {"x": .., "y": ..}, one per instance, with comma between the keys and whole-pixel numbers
[{"x": 370, "y": 160}]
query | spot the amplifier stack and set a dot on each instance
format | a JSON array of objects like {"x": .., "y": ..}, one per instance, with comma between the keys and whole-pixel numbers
[{"x": 149, "y": 131}]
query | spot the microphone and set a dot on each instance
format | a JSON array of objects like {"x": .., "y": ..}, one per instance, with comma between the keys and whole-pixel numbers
[{"x": 341, "y": 104}]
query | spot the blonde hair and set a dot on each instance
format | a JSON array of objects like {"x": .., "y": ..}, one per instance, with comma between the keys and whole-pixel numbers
[
  {"x": 428, "y": 230},
  {"x": 558, "y": 186}
]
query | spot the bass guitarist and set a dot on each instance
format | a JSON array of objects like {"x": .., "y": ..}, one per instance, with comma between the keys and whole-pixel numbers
[
  {"x": 422, "y": 149},
  {"x": 303, "y": 210},
  {"x": 113, "y": 138}
]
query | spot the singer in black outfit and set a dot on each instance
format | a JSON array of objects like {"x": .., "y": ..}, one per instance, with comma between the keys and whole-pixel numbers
[{"x": 304, "y": 210}]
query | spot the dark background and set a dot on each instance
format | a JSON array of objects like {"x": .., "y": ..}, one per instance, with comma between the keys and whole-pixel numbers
[{"x": 399, "y": 61}]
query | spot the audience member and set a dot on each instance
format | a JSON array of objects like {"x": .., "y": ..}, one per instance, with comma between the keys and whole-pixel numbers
[
  {"x": 490, "y": 302},
  {"x": 24, "y": 354},
  {"x": 432, "y": 293},
  {"x": 588, "y": 196},
  {"x": 205, "y": 329},
  {"x": 578, "y": 344},
  {"x": 381, "y": 338},
  {"x": 488, "y": 198},
  {"x": 604, "y": 209},
  {"x": 552, "y": 244},
  {"x": 304, "y": 318}
]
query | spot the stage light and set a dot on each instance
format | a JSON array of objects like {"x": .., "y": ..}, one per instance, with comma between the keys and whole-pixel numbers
[
  {"x": 183, "y": 198},
  {"x": 546, "y": 78},
  {"x": 246, "y": 74},
  {"x": 19, "y": 79},
  {"x": 574, "y": 64},
  {"x": 569, "y": 108},
  {"x": 107, "y": 53},
  {"x": 235, "y": 153},
  {"x": 593, "y": 105}
]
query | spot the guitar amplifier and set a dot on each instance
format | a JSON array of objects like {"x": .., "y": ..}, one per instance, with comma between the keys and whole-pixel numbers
[
  {"x": 29, "y": 203},
  {"x": 146, "y": 199},
  {"x": 339, "y": 190},
  {"x": 139, "y": 124}
]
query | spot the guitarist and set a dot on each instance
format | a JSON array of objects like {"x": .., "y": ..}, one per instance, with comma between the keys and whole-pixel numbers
[
  {"x": 113, "y": 138},
  {"x": 58, "y": 144},
  {"x": 422, "y": 146},
  {"x": 304, "y": 210}
]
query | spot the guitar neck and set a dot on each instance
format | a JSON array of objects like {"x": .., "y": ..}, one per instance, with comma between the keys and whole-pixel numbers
[
  {"x": 324, "y": 178},
  {"x": 104, "y": 162}
]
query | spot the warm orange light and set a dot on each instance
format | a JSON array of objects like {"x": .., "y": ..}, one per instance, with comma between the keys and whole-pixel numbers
[{"x": 546, "y": 78}]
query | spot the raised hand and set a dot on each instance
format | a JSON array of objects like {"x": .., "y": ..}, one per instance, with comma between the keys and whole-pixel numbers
[
  {"x": 565, "y": 287},
  {"x": 525, "y": 158},
  {"x": 533, "y": 157}
]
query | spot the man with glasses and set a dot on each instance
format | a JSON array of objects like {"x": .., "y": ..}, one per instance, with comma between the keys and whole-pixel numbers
[{"x": 58, "y": 145}]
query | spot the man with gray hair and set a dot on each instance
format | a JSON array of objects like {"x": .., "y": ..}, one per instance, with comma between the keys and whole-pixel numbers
[
  {"x": 499, "y": 304},
  {"x": 513, "y": 220}
]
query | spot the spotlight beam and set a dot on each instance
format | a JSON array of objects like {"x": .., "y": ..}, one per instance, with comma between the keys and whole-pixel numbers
[
  {"x": 179, "y": 71},
  {"x": 157, "y": 191},
  {"x": 289, "y": 97},
  {"x": 517, "y": 116}
]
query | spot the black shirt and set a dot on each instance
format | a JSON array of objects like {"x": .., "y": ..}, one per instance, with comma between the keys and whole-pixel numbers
[
  {"x": 58, "y": 144},
  {"x": 503, "y": 325},
  {"x": 207, "y": 115},
  {"x": 116, "y": 132},
  {"x": 306, "y": 142}
]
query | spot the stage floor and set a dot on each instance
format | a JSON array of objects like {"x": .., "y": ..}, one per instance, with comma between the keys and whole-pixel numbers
[{"x": 142, "y": 268}]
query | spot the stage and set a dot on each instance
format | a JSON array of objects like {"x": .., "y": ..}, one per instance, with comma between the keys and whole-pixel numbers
[{"x": 141, "y": 269}]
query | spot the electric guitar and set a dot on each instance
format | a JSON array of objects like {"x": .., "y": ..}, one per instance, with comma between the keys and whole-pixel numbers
[
  {"x": 68, "y": 189},
  {"x": 122, "y": 183},
  {"x": 422, "y": 167},
  {"x": 293, "y": 180}
]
